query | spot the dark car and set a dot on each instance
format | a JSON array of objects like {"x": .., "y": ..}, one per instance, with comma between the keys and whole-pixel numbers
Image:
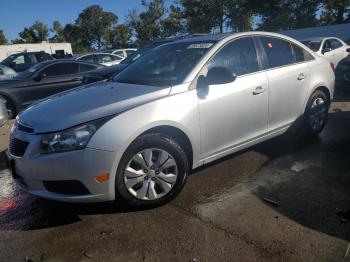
[
  {"x": 40, "y": 81},
  {"x": 342, "y": 73},
  {"x": 108, "y": 73},
  {"x": 22, "y": 61}
]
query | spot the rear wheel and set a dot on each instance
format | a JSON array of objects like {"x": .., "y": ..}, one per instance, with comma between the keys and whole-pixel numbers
[
  {"x": 316, "y": 113},
  {"x": 152, "y": 171}
]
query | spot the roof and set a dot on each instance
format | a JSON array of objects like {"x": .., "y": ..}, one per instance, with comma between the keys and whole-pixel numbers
[
  {"x": 315, "y": 38},
  {"x": 66, "y": 60}
]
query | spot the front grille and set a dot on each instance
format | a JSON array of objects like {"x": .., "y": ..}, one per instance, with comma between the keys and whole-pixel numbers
[
  {"x": 66, "y": 187},
  {"x": 17, "y": 147}
]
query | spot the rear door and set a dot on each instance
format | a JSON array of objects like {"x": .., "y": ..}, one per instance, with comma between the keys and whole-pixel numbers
[
  {"x": 288, "y": 77},
  {"x": 53, "y": 79}
]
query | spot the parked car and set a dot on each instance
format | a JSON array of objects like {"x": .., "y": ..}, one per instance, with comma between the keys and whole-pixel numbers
[
  {"x": 332, "y": 48},
  {"x": 108, "y": 73},
  {"x": 123, "y": 53},
  {"x": 40, "y": 81},
  {"x": 100, "y": 58},
  {"x": 22, "y": 61},
  {"x": 178, "y": 107},
  {"x": 342, "y": 73},
  {"x": 6, "y": 71},
  {"x": 3, "y": 113}
]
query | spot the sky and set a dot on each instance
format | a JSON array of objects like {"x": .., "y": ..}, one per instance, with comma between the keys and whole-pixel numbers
[{"x": 17, "y": 14}]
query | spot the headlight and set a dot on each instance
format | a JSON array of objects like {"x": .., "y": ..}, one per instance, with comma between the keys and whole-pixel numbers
[{"x": 71, "y": 139}]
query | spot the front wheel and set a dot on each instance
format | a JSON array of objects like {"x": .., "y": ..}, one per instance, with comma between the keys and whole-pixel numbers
[
  {"x": 152, "y": 171},
  {"x": 316, "y": 113}
]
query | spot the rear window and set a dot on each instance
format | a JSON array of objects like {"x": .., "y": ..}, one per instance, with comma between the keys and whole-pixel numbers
[
  {"x": 301, "y": 55},
  {"x": 279, "y": 52}
]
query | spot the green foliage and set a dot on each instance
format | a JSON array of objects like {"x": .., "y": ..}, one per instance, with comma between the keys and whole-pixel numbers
[
  {"x": 36, "y": 33},
  {"x": 146, "y": 25},
  {"x": 3, "y": 40},
  {"x": 58, "y": 31},
  {"x": 335, "y": 12},
  {"x": 96, "y": 29}
]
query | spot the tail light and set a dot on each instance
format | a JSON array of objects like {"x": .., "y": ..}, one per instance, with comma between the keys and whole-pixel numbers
[{"x": 332, "y": 66}]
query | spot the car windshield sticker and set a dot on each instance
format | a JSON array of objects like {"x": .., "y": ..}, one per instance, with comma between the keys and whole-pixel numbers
[{"x": 200, "y": 45}]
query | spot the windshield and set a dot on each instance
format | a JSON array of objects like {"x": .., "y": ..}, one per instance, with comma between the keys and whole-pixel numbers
[
  {"x": 167, "y": 65},
  {"x": 8, "y": 59},
  {"x": 30, "y": 71},
  {"x": 313, "y": 45},
  {"x": 136, "y": 55}
]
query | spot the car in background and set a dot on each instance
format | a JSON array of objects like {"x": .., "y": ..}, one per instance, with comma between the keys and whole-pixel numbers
[
  {"x": 22, "y": 61},
  {"x": 99, "y": 58},
  {"x": 124, "y": 53},
  {"x": 331, "y": 48},
  {"x": 40, "y": 81},
  {"x": 108, "y": 73},
  {"x": 178, "y": 107},
  {"x": 3, "y": 112},
  {"x": 6, "y": 71},
  {"x": 342, "y": 74}
]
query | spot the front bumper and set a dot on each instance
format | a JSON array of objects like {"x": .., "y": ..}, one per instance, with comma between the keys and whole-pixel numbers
[{"x": 35, "y": 171}]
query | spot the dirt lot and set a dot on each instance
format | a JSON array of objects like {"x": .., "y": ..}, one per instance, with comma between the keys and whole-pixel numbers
[{"x": 284, "y": 200}]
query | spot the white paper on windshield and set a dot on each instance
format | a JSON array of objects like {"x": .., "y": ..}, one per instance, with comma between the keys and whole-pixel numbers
[{"x": 200, "y": 45}]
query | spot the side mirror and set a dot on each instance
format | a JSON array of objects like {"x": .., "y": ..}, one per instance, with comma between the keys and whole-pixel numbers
[
  {"x": 348, "y": 50},
  {"x": 326, "y": 50},
  {"x": 219, "y": 75}
]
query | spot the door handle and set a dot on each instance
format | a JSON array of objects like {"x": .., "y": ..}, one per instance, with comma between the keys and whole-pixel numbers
[
  {"x": 258, "y": 90},
  {"x": 301, "y": 76}
]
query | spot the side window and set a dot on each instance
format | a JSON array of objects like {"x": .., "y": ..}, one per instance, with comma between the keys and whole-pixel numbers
[
  {"x": 104, "y": 59},
  {"x": 238, "y": 56},
  {"x": 279, "y": 52},
  {"x": 88, "y": 58},
  {"x": 129, "y": 52},
  {"x": 335, "y": 44},
  {"x": 119, "y": 53},
  {"x": 86, "y": 67},
  {"x": 61, "y": 69},
  {"x": 20, "y": 60},
  {"x": 327, "y": 44},
  {"x": 301, "y": 54}
]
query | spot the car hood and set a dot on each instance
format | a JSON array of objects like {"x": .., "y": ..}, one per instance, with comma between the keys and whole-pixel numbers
[{"x": 87, "y": 103}]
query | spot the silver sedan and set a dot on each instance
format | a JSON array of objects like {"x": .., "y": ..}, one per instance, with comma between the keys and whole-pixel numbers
[{"x": 181, "y": 106}]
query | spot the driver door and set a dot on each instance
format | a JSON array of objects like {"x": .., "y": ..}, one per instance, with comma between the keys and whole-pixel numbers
[{"x": 234, "y": 114}]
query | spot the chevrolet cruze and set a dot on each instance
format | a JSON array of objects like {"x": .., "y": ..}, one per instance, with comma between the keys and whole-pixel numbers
[{"x": 180, "y": 106}]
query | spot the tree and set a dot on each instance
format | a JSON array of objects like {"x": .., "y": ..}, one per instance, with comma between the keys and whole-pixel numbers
[
  {"x": 240, "y": 15},
  {"x": 335, "y": 12},
  {"x": 75, "y": 36},
  {"x": 146, "y": 25},
  {"x": 58, "y": 31},
  {"x": 119, "y": 37},
  {"x": 174, "y": 23},
  {"x": 285, "y": 15},
  {"x": 3, "y": 40},
  {"x": 36, "y": 33},
  {"x": 94, "y": 24}
]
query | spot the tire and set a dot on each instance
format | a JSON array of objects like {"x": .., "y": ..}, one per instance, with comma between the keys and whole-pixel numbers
[
  {"x": 316, "y": 113},
  {"x": 152, "y": 175},
  {"x": 9, "y": 106}
]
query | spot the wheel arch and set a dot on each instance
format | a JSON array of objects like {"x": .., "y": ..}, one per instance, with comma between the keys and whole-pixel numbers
[{"x": 178, "y": 135}]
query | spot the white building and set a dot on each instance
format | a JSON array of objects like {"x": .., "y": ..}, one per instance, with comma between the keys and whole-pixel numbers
[
  {"x": 341, "y": 31},
  {"x": 50, "y": 48}
]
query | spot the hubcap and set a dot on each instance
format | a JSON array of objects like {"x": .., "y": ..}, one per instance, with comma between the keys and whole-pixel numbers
[
  {"x": 150, "y": 174},
  {"x": 318, "y": 113}
]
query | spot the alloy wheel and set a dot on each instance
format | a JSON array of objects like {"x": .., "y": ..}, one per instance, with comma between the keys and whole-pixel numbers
[{"x": 318, "y": 113}]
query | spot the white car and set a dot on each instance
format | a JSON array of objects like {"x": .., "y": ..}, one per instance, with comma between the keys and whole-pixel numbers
[
  {"x": 180, "y": 106},
  {"x": 100, "y": 58},
  {"x": 124, "y": 53},
  {"x": 331, "y": 48}
]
